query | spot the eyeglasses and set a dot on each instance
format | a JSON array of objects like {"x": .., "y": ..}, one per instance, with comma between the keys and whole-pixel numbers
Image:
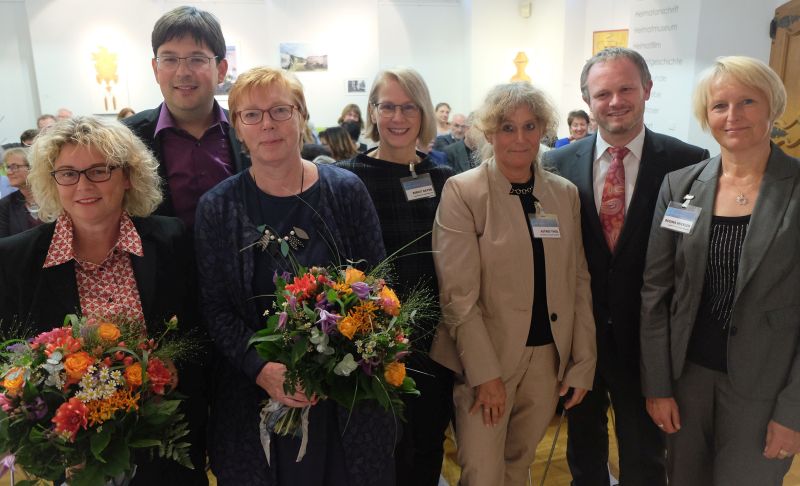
[
  {"x": 387, "y": 110},
  {"x": 277, "y": 113},
  {"x": 459, "y": 127},
  {"x": 16, "y": 167},
  {"x": 171, "y": 63},
  {"x": 70, "y": 177}
]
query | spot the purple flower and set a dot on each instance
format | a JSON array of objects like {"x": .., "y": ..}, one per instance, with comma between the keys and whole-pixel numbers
[
  {"x": 322, "y": 304},
  {"x": 327, "y": 321},
  {"x": 282, "y": 317},
  {"x": 292, "y": 303},
  {"x": 361, "y": 289},
  {"x": 37, "y": 409},
  {"x": 285, "y": 276},
  {"x": 7, "y": 464},
  {"x": 368, "y": 365},
  {"x": 16, "y": 348}
]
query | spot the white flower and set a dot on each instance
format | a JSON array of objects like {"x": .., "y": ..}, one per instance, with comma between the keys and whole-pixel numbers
[{"x": 346, "y": 366}]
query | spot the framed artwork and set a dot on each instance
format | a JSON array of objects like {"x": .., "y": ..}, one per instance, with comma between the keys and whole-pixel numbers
[
  {"x": 302, "y": 57},
  {"x": 356, "y": 86},
  {"x": 608, "y": 38}
]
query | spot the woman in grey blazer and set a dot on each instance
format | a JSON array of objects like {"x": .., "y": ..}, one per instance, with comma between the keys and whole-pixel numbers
[{"x": 720, "y": 314}]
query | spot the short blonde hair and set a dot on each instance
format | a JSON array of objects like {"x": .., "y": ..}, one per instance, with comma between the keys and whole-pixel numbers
[
  {"x": 118, "y": 145},
  {"x": 504, "y": 99},
  {"x": 265, "y": 78},
  {"x": 745, "y": 70},
  {"x": 416, "y": 89},
  {"x": 23, "y": 151}
]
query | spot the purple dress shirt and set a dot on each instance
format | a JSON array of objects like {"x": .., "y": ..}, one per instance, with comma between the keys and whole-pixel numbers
[{"x": 193, "y": 166}]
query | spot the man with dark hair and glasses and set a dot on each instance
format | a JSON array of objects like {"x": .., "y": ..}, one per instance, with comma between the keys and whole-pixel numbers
[
  {"x": 193, "y": 139},
  {"x": 190, "y": 134}
]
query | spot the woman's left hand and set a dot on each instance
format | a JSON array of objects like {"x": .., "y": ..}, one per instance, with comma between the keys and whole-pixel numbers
[
  {"x": 782, "y": 442},
  {"x": 576, "y": 398}
]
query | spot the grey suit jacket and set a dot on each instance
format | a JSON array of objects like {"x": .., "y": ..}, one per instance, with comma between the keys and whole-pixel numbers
[
  {"x": 763, "y": 361},
  {"x": 459, "y": 159}
]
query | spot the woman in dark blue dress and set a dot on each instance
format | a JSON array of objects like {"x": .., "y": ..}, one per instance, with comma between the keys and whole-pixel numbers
[{"x": 327, "y": 216}]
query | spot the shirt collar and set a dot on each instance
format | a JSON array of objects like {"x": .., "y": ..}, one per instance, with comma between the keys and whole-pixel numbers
[
  {"x": 165, "y": 119},
  {"x": 636, "y": 146},
  {"x": 62, "y": 249}
]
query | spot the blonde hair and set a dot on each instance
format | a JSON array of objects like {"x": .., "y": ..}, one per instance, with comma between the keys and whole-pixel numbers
[
  {"x": 416, "y": 89},
  {"x": 118, "y": 145},
  {"x": 745, "y": 70},
  {"x": 504, "y": 99},
  {"x": 265, "y": 78},
  {"x": 23, "y": 151}
]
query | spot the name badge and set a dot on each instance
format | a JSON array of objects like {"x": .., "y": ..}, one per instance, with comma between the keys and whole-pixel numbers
[
  {"x": 544, "y": 225},
  {"x": 418, "y": 187},
  {"x": 680, "y": 217}
]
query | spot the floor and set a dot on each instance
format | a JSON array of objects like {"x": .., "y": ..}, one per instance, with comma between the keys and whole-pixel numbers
[{"x": 558, "y": 473}]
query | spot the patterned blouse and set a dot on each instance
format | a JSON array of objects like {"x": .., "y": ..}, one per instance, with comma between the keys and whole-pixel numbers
[{"x": 107, "y": 289}]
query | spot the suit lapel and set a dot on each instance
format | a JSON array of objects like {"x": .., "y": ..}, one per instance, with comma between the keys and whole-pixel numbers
[
  {"x": 773, "y": 199},
  {"x": 57, "y": 289},
  {"x": 584, "y": 180},
  {"x": 145, "y": 269},
  {"x": 704, "y": 190},
  {"x": 648, "y": 181}
]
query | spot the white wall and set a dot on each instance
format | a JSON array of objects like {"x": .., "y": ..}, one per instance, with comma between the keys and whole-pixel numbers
[
  {"x": 19, "y": 103},
  {"x": 461, "y": 48}
]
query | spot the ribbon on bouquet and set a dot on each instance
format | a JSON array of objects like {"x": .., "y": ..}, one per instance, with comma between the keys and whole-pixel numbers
[
  {"x": 7, "y": 465},
  {"x": 273, "y": 412}
]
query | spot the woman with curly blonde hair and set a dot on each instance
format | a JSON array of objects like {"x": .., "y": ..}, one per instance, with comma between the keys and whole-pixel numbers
[{"x": 99, "y": 253}]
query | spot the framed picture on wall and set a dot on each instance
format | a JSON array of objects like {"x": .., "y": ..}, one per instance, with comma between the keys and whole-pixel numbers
[
  {"x": 609, "y": 38},
  {"x": 356, "y": 86},
  {"x": 230, "y": 77},
  {"x": 303, "y": 57}
]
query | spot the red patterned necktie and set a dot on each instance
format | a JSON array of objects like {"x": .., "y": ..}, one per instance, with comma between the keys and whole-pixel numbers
[{"x": 612, "y": 205}]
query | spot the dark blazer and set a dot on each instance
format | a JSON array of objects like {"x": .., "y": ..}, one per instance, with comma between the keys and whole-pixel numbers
[
  {"x": 442, "y": 141},
  {"x": 36, "y": 298},
  {"x": 14, "y": 216},
  {"x": 617, "y": 278},
  {"x": 763, "y": 360},
  {"x": 143, "y": 124},
  {"x": 459, "y": 159}
]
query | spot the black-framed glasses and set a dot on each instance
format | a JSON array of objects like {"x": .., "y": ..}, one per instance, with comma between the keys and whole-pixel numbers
[
  {"x": 16, "y": 167},
  {"x": 70, "y": 177},
  {"x": 277, "y": 113},
  {"x": 195, "y": 63},
  {"x": 387, "y": 110}
]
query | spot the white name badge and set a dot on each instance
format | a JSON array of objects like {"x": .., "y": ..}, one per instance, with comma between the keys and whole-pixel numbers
[
  {"x": 544, "y": 225},
  {"x": 419, "y": 187},
  {"x": 680, "y": 218}
]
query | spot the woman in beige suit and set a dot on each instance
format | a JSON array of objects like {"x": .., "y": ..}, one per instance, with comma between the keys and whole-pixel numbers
[{"x": 514, "y": 289}]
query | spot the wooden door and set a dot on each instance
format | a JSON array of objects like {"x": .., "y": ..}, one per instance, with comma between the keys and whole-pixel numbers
[{"x": 784, "y": 58}]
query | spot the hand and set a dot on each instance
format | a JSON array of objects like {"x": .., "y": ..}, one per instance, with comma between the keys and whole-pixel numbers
[
  {"x": 664, "y": 412},
  {"x": 782, "y": 442},
  {"x": 492, "y": 397},
  {"x": 271, "y": 378},
  {"x": 576, "y": 398}
]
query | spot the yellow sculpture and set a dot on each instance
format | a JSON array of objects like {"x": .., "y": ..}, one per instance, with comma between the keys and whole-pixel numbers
[
  {"x": 521, "y": 62},
  {"x": 105, "y": 65}
]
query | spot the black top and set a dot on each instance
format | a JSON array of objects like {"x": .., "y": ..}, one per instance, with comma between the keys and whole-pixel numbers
[
  {"x": 540, "y": 332},
  {"x": 404, "y": 221},
  {"x": 708, "y": 345},
  {"x": 14, "y": 215},
  {"x": 281, "y": 215}
]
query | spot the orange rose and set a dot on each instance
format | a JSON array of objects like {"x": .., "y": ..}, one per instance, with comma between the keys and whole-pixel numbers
[
  {"x": 133, "y": 375},
  {"x": 395, "y": 373},
  {"x": 76, "y": 364},
  {"x": 389, "y": 301},
  {"x": 14, "y": 380},
  {"x": 347, "y": 327},
  {"x": 352, "y": 275},
  {"x": 108, "y": 331}
]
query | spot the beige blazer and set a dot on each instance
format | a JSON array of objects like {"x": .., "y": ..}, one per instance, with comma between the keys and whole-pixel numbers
[{"x": 484, "y": 263}]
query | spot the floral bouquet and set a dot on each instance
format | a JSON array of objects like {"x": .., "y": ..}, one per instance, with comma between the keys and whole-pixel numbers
[
  {"x": 78, "y": 400},
  {"x": 342, "y": 335}
]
